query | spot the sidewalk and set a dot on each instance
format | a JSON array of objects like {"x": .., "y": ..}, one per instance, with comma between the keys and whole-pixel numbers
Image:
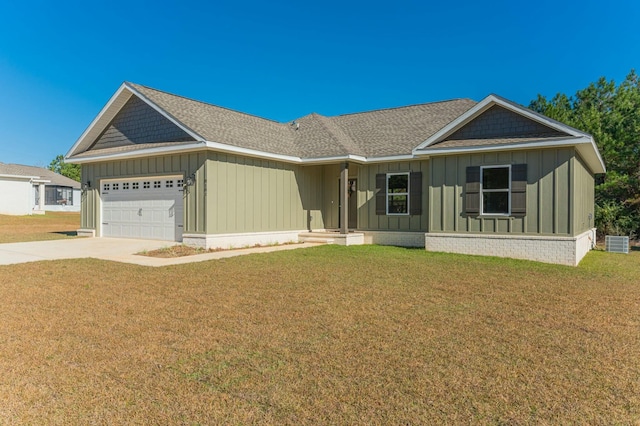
[{"x": 117, "y": 250}]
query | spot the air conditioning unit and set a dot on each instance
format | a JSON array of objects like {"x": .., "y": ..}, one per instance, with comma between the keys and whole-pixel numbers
[{"x": 616, "y": 244}]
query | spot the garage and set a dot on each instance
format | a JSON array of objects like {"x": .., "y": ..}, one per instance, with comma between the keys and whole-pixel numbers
[{"x": 148, "y": 208}]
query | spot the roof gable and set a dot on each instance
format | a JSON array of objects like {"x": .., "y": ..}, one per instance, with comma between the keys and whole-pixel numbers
[
  {"x": 500, "y": 122},
  {"x": 138, "y": 123}
]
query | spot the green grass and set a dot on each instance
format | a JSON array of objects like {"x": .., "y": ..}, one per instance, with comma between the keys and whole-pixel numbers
[
  {"x": 326, "y": 335},
  {"x": 50, "y": 226}
]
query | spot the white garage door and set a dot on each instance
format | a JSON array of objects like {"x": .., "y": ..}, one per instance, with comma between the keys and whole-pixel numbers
[{"x": 149, "y": 208}]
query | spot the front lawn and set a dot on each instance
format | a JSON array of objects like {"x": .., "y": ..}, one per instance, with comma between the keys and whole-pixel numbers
[
  {"x": 326, "y": 335},
  {"x": 49, "y": 226}
]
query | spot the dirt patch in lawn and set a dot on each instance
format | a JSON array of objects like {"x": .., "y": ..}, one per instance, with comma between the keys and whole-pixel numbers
[{"x": 181, "y": 250}]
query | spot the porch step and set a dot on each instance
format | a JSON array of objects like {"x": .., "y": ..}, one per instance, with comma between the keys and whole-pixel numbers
[
  {"x": 316, "y": 238},
  {"x": 350, "y": 239}
]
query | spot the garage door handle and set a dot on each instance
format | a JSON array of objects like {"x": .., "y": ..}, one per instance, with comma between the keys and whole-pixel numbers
[{"x": 139, "y": 212}]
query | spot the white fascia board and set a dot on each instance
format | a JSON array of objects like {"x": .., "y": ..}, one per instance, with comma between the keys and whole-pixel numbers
[
  {"x": 216, "y": 146},
  {"x": 547, "y": 143},
  {"x": 22, "y": 177},
  {"x": 487, "y": 103},
  {"x": 591, "y": 154},
  {"x": 196, "y": 146},
  {"x": 164, "y": 113},
  {"x": 391, "y": 158},
  {"x": 584, "y": 144},
  {"x": 334, "y": 159},
  {"x": 247, "y": 152},
  {"x": 97, "y": 119}
]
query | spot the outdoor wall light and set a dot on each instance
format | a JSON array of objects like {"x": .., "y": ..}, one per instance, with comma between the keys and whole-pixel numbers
[
  {"x": 86, "y": 185},
  {"x": 190, "y": 180}
]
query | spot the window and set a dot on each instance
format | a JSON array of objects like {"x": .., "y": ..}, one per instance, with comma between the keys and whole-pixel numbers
[
  {"x": 157, "y": 184},
  {"x": 495, "y": 189},
  {"x": 145, "y": 185},
  {"x": 115, "y": 187},
  {"x": 135, "y": 185},
  {"x": 106, "y": 187},
  {"x": 398, "y": 193},
  {"x": 168, "y": 184},
  {"x": 58, "y": 195},
  {"x": 180, "y": 183},
  {"x": 125, "y": 185}
]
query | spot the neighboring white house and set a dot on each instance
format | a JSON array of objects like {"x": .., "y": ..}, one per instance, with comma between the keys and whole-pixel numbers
[{"x": 28, "y": 190}]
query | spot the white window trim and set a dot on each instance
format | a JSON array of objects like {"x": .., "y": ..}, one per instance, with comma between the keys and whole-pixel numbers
[
  {"x": 482, "y": 190},
  {"x": 398, "y": 193}
]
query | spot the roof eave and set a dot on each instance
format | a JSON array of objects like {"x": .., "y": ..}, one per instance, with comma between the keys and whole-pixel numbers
[
  {"x": 198, "y": 146},
  {"x": 585, "y": 145}
]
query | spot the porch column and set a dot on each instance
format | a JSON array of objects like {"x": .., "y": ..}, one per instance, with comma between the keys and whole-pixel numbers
[
  {"x": 344, "y": 198},
  {"x": 41, "y": 197}
]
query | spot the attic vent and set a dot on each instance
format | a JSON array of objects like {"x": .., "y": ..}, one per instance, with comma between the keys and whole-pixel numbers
[{"x": 616, "y": 244}]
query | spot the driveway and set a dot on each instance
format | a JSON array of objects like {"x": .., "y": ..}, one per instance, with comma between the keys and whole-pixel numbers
[{"x": 115, "y": 249}]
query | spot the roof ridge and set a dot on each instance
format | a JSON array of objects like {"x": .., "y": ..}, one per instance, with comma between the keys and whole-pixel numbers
[
  {"x": 343, "y": 136},
  {"x": 405, "y": 106},
  {"x": 202, "y": 102}
]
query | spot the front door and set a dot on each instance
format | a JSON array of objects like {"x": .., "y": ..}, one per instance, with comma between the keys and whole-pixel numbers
[{"x": 353, "y": 204}]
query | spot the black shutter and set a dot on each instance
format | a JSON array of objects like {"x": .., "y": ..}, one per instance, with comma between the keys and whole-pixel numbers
[
  {"x": 415, "y": 193},
  {"x": 519, "y": 190},
  {"x": 381, "y": 193},
  {"x": 472, "y": 191}
]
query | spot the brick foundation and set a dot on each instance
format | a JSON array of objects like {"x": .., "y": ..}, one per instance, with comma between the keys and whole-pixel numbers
[
  {"x": 548, "y": 249},
  {"x": 394, "y": 238}
]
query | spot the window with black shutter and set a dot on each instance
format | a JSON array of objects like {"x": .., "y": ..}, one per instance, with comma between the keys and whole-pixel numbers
[
  {"x": 496, "y": 190},
  {"x": 399, "y": 193},
  {"x": 472, "y": 191}
]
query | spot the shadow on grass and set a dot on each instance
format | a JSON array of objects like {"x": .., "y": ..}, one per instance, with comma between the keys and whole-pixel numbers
[{"x": 66, "y": 233}]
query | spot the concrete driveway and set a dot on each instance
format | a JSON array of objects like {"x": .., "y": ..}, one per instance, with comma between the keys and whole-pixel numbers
[{"x": 115, "y": 249}]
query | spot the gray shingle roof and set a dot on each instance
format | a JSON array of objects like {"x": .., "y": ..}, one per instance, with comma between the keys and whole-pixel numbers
[
  {"x": 393, "y": 131},
  {"x": 217, "y": 124},
  {"x": 39, "y": 172}
]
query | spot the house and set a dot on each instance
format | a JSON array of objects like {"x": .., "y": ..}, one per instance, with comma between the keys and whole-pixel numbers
[
  {"x": 488, "y": 177},
  {"x": 33, "y": 190}
]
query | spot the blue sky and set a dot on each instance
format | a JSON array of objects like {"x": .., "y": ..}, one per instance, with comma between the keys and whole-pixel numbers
[{"x": 60, "y": 62}]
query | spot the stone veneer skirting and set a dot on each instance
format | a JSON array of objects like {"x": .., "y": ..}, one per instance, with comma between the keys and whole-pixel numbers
[
  {"x": 548, "y": 249},
  {"x": 240, "y": 240}
]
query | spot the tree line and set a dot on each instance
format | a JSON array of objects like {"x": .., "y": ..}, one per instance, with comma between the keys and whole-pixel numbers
[{"x": 611, "y": 114}]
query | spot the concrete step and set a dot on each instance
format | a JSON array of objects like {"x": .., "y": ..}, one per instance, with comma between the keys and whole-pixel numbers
[{"x": 317, "y": 238}]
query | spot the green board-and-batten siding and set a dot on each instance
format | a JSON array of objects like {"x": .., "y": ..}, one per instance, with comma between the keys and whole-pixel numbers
[
  {"x": 549, "y": 194},
  {"x": 368, "y": 219},
  {"x": 255, "y": 195},
  {"x": 584, "y": 197},
  {"x": 235, "y": 194},
  {"x": 185, "y": 165}
]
